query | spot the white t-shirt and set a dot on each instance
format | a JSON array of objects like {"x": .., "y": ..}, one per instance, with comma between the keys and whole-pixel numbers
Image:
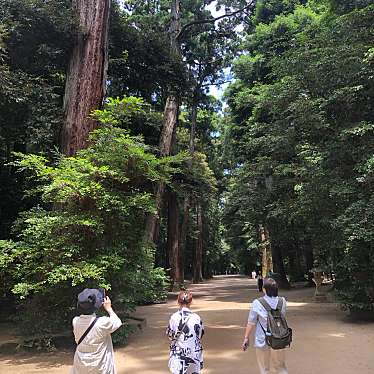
[
  {"x": 95, "y": 354},
  {"x": 258, "y": 314}
]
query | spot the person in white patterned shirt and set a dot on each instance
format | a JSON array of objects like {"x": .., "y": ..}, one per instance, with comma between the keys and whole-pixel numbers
[{"x": 185, "y": 331}]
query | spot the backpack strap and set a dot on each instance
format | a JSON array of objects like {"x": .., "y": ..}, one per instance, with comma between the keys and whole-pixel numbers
[
  {"x": 280, "y": 304},
  {"x": 87, "y": 331},
  {"x": 268, "y": 307},
  {"x": 265, "y": 304}
]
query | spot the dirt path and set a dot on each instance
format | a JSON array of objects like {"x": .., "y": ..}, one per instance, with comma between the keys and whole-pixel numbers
[{"x": 324, "y": 343}]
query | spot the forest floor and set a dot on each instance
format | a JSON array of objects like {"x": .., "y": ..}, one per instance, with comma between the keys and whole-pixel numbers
[{"x": 325, "y": 342}]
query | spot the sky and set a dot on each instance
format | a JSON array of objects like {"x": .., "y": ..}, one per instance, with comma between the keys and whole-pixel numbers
[{"x": 212, "y": 8}]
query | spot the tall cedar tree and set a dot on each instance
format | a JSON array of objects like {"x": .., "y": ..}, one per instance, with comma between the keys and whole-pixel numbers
[{"x": 86, "y": 78}]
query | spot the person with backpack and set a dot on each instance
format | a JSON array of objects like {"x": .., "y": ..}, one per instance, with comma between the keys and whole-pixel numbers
[
  {"x": 185, "y": 331},
  {"x": 94, "y": 353},
  {"x": 272, "y": 334}
]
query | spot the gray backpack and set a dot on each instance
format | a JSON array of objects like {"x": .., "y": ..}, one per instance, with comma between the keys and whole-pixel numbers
[{"x": 278, "y": 334}]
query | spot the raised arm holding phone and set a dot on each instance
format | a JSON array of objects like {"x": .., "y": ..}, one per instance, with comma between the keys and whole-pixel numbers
[{"x": 94, "y": 353}]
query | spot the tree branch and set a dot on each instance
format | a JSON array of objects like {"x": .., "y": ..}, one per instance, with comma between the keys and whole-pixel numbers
[{"x": 213, "y": 20}]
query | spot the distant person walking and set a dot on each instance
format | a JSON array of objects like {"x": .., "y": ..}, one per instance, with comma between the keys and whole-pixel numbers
[
  {"x": 260, "y": 283},
  {"x": 185, "y": 331},
  {"x": 269, "y": 360},
  {"x": 254, "y": 274},
  {"x": 94, "y": 353}
]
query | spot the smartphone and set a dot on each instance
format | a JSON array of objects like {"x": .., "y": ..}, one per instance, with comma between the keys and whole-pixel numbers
[{"x": 102, "y": 292}]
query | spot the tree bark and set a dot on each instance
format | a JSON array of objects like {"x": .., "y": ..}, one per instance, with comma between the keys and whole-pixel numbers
[
  {"x": 86, "y": 76},
  {"x": 198, "y": 263},
  {"x": 267, "y": 261},
  {"x": 193, "y": 124},
  {"x": 184, "y": 229},
  {"x": 166, "y": 140},
  {"x": 187, "y": 198},
  {"x": 175, "y": 26},
  {"x": 169, "y": 123},
  {"x": 176, "y": 272}
]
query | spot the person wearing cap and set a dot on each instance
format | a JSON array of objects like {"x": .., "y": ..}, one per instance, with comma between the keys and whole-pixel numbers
[
  {"x": 185, "y": 331},
  {"x": 94, "y": 353}
]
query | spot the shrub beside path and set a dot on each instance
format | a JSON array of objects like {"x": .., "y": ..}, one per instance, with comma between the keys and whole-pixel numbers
[{"x": 325, "y": 341}]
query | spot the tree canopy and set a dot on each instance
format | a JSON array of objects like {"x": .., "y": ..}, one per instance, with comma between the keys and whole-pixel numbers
[{"x": 273, "y": 175}]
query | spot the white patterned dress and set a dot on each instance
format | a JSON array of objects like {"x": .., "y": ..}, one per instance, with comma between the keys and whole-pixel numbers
[{"x": 186, "y": 356}]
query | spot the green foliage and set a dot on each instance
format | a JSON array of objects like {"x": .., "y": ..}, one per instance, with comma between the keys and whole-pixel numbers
[
  {"x": 121, "y": 335},
  {"x": 268, "y": 10},
  {"x": 87, "y": 212},
  {"x": 355, "y": 285},
  {"x": 134, "y": 114},
  {"x": 197, "y": 177},
  {"x": 90, "y": 237},
  {"x": 35, "y": 43},
  {"x": 346, "y": 6},
  {"x": 302, "y": 141},
  {"x": 141, "y": 62}
]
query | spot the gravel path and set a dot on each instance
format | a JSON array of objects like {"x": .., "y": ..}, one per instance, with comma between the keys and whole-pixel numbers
[{"x": 324, "y": 341}]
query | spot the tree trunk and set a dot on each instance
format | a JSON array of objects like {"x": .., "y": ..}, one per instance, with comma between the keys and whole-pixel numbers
[
  {"x": 279, "y": 270},
  {"x": 175, "y": 26},
  {"x": 184, "y": 229},
  {"x": 198, "y": 263},
  {"x": 187, "y": 198},
  {"x": 309, "y": 260},
  {"x": 169, "y": 123},
  {"x": 193, "y": 125},
  {"x": 198, "y": 257},
  {"x": 166, "y": 140},
  {"x": 267, "y": 261},
  {"x": 308, "y": 254},
  {"x": 292, "y": 266},
  {"x": 176, "y": 272},
  {"x": 299, "y": 264},
  {"x": 86, "y": 76}
]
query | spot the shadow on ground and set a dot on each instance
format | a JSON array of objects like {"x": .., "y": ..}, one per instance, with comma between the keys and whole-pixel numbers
[{"x": 324, "y": 340}]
